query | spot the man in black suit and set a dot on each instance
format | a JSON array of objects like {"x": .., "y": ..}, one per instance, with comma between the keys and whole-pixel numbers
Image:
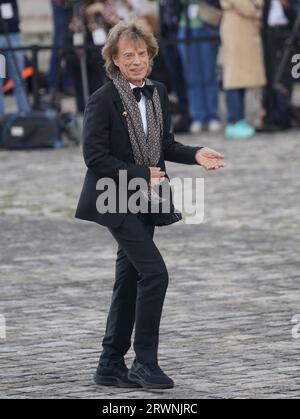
[{"x": 127, "y": 130}]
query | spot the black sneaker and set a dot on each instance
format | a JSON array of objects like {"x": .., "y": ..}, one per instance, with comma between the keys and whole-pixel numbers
[
  {"x": 149, "y": 376},
  {"x": 114, "y": 375}
]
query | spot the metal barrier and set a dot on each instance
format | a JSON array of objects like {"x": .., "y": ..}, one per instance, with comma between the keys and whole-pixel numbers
[{"x": 36, "y": 49}]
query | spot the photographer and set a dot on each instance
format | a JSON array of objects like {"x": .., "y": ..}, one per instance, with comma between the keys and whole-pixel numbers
[
  {"x": 10, "y": 36},
  {"x": 97, "y": 19}
]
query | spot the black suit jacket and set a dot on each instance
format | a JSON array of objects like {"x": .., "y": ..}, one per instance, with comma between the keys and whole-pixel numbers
[{"x": 107, "y": 149}]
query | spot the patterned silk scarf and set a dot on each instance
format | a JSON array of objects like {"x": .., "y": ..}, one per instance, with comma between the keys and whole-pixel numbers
[{"x": 146, "y": 151}]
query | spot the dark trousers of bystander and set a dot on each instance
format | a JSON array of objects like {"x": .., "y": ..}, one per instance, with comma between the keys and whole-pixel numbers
[{"x": 276, "y": 101}]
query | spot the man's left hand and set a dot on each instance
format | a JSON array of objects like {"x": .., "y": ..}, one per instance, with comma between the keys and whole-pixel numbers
[{"x": 209, "y": 159}]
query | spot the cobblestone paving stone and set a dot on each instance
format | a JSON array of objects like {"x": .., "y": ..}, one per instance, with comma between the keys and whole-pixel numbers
[{"x": 226, "y": 330}]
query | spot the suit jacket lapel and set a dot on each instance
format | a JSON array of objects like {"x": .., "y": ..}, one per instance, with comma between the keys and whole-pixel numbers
[
  {"x": 119, "y": 105},
  {"x": 121, "y": 111}
]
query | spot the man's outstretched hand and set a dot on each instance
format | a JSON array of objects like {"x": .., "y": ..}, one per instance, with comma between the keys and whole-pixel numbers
[{"x": 209, "y": 159}]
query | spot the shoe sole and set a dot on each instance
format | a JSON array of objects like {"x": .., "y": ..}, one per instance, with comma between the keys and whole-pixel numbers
[
  {"x": 136, "y": 379},
  {"x": 111, "y": 381}
]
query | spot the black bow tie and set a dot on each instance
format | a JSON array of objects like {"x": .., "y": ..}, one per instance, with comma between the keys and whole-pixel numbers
[{"x": 146, "y": 90}]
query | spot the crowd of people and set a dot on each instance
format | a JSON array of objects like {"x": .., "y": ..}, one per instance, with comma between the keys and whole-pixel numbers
[
  {"x": 253, "y": 36},
  {"x": 205, "y": 46}
]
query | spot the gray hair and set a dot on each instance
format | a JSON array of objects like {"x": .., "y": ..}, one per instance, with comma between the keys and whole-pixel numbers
[{"x": 132, "y": 31}]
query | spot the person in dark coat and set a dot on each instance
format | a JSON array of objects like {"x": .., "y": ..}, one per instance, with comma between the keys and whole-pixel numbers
[
  {"x": 169, "y": 13},
  {"x": 278, "y": 19},
  {"x": 127, "y": 137}
]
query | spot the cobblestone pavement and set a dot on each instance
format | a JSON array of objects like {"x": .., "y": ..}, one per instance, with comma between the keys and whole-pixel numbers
[{"x": 226, "y": 330}]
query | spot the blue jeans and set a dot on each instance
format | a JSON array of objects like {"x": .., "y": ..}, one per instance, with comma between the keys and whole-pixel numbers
[
  {"x": 235, "y": 102},
  {"x": 12, "y": 72},
  {"x": 61, "y": 22},
  {"x": 199, "y": 61}
]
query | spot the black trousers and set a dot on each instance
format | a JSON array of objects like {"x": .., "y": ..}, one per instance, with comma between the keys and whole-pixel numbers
[
  {"x": 138, "y": 295},
  {"x": 276, "y": 102},
  {"x": 96, "y": 75}
]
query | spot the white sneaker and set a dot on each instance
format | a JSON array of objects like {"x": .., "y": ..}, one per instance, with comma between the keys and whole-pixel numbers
[
  {"x": 214, "y": 126},
  {"x": 196, "y": 127}
]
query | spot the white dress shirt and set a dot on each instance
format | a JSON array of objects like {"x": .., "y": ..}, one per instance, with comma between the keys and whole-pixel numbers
[
  {"x": 277, "y": 16},
  {"x": 142, "y": 108}
]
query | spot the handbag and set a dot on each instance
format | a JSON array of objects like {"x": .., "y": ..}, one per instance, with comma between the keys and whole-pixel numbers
[{"x": 209, "y": 14}]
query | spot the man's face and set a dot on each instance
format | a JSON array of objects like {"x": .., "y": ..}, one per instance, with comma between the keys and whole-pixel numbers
[{"x": 132, "y": 60}]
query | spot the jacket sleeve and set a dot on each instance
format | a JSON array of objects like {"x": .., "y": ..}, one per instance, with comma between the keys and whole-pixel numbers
[
  {"x": 173, "y": 150},
  {"x": 245, "y": 8},
  {"x": 96, "y": 150},
  {"x": 291, "y": 10}
]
